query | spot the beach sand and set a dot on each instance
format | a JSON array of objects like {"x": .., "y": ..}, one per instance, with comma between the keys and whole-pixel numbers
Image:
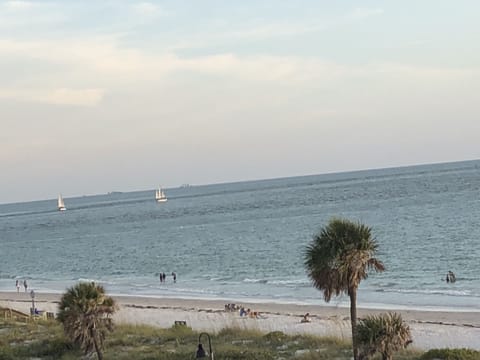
[{"x": 430, "y": 329}]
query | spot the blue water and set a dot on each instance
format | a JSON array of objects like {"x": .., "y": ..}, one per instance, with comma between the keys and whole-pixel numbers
[{"x": 246, "y": 240}]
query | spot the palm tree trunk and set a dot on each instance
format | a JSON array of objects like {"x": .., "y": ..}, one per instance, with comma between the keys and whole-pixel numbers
[
  {"x": 95, "y": 343},
  {"x": 97, "y": 349},
  {"x": 353, "y": 320}
]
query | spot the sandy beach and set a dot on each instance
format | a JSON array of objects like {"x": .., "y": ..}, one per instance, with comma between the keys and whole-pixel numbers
[{"x": 430, "y": 329}]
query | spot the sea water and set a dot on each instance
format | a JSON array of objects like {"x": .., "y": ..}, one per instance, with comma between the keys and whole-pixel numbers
[{"x": 246, "y": 240}]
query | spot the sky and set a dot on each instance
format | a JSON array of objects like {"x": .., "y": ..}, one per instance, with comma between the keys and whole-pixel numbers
[{"x": 116, "y": 95}]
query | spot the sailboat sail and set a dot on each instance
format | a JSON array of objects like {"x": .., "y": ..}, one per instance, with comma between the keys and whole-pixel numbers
[
  {"x": 160, "y": 195},
  {"x": 61, "y": 203}
]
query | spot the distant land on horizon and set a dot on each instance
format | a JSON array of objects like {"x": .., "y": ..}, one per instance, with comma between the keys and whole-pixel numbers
[{"x": 188, "y": 185}]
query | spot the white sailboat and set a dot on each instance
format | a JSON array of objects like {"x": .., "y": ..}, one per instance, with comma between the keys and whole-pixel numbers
[
  {"x": 160, "y": 195},
  {"x": 61, "y": 203}
]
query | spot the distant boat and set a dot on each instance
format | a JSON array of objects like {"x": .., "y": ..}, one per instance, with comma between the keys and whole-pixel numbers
[
  {"x": 160, "y": 195},
  {"x": 61, "y": 203}
]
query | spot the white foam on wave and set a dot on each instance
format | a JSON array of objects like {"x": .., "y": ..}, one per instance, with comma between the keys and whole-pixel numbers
[
  {"x": 256, "y": 281},
  {"x": 430, "y": 292}
]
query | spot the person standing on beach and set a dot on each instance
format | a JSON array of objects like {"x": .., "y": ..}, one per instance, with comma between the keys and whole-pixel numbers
[
  {"x": 161, "y": 278},
  {"x": 17, "y": 285},
  {"x": 174, "y": 277},
  {"x": 164, "y": 277},
  {"x": 25, "y": 284}
]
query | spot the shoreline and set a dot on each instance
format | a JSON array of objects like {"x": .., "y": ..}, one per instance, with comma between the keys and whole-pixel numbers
[{"x": 430, "y": 329}]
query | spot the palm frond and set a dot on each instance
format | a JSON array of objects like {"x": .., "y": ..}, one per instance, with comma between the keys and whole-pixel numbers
[
  {"x": 384, "y": 333},
  {"x": 340, "y": 257},
  {"x": 85, "y": 312}
]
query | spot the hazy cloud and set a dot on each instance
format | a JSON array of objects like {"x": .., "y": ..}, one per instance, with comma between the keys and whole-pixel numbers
[
  {"x": 100, "y": 63},
  {"x": 18, "y": 4},
  {"x": 147, "y": 9},
  {"x": 361, "y": 13},
  {"x": 63, "y": 96}
]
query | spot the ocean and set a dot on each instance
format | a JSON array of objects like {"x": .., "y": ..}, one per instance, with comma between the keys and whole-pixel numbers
[{"x": 245, "y": 241}]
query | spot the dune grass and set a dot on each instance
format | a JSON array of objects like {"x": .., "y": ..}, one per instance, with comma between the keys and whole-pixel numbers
[{"x": 45, "y": 340}]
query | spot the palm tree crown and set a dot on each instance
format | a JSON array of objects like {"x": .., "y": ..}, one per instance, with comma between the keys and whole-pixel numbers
[
  {"x": 339, "y": 258},
  {"x": 85, "y": 312}
]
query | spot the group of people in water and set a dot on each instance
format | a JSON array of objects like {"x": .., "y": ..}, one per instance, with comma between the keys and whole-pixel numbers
[
  {"x": 25, "y": 285},
  {"x": 450, "y": 278},
  {"x": 163, "y": 277}
]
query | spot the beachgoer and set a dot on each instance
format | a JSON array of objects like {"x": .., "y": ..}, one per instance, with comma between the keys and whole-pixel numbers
[
  {"x": 17, "y": 285},
  {"x": 164, "y": 277},
  {"x": 243, "y": 312},
  {"x": 231, "y": 307},
  {"x": 200, "y": 352},
  {"x": 305, "y": 318},
  {"x": 25, "y": 284},
  {"x": 451, "y": 276},
  {"x": 174, "y": 277}
]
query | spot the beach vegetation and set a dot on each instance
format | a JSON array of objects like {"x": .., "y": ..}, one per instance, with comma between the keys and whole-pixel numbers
[
  {"x": 340, "y": 256},
  {"x": 384, "y": 334},
  {"x": 85, "y": 312},
  {"x": 46, "y": 339},
  {"x": 451, "y": 354}
]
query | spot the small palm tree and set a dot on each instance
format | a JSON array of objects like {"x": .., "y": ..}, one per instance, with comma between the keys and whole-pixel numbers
[
  {"x": 338, "y": 259},
  {"x": 85, "y": 312},
  {"x": 385, "y": 333}
]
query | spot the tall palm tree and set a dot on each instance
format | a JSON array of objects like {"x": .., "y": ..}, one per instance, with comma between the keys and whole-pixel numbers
[
  {"x": 385, "y": 333},
  {"x": 338, "y": 259},
  {"x": 85, "y": 312}
]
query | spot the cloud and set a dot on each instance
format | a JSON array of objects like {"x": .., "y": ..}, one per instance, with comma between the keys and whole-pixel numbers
[
  {"x": 82, "y": 97},
  {"x": 18, "y": 4},
  {"x": 85, "y": 69},
  {"x": 16, "y": 14},
  {"x": 146, "y": 9},
  {"x": 362, "y": 13},
  {"x": 62, "y": 96}
]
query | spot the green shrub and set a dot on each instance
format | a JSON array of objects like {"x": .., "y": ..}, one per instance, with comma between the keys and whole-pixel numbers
[
  {"x": 53, "y": 348},
  {"x": 245, "y": 355},
  {"x": 451, "y": 354},
  {"x": 275, "y": 337},
  {"x": 6, "y": 353},
  {"x": 383, "y": 333}
]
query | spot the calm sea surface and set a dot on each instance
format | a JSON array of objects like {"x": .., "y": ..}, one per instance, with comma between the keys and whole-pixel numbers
[{"x": 245, "y": 240}]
